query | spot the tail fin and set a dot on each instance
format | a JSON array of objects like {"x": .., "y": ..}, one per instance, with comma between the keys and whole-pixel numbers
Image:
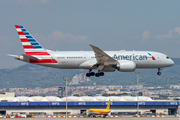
[
  {"x": 108, "y": 105},
  {"x": 30, "y": 44}
]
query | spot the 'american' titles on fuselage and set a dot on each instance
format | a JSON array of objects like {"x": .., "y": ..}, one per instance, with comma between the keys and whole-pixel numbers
[{"x": 130, "y": 57}]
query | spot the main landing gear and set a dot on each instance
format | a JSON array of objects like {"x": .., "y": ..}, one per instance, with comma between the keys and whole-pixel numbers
[
  {"x": 159, "y": 73},
  {"x": 94, "y": 74},
  {"x": 105, "y": 115}
]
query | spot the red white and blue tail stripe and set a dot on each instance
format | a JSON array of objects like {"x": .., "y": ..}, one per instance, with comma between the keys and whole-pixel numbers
[
  {"x": 30, "y": 44},
  {"x": 32, "y": 47}
]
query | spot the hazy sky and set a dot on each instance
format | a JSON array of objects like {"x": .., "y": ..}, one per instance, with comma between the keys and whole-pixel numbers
[{"x": 108, "y": 24}]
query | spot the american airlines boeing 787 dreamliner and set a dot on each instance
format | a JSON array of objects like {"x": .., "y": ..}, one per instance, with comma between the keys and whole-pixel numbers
[{"x": 103, "y": 61}]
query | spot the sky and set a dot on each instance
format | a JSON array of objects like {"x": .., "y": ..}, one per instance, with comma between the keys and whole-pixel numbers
[{"x": 70, "y": 25}]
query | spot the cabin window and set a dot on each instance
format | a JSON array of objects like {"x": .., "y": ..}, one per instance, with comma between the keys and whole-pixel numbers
[
  {"x": 72, "y": 57},
  {"x": 60, "y": 57}
]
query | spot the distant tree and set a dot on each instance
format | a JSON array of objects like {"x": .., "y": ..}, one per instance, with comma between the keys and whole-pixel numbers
[
  {"x": 32, "y": 95},
  {"x": 124, "y": 94},
  {"x": 76, "y": 95},
  {"x": 113, "y": 94},
  {"x": 105, "y": 94},
  {"x": 140, "y": 93},
  {"x": 59, "y": 96},
  {"x": 98, "y": 91},
  {"x": 118, "y": 94},
  {"x": 90, "y": 94}
]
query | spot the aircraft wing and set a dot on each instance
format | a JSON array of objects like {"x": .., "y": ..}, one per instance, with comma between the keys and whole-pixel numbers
[{"x": 103, "y": 58}]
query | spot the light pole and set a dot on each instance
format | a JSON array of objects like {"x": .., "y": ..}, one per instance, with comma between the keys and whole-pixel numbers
[
  {"x": 66, "y": 79},
  {"x": 137, "y": 73}
]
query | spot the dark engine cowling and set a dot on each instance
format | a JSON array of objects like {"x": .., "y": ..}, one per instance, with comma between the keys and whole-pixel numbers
[{"x": 126, "y": 66}]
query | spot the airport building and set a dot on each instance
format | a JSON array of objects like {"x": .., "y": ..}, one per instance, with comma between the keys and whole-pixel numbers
[{"x": 51, "y": 105}]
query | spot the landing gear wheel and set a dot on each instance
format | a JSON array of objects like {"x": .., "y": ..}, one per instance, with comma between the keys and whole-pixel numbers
[
  {"x": 101, "y": 74},
  {"x": 92, "y": 73},
  {"x": 97, "y": 74},
  {"x": 88, "y": 74},
  {"x": 104, "y": 116},
  {"x": 158, "y": 73}
]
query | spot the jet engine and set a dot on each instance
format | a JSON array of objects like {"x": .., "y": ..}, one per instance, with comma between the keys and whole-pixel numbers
[{"x": 126, "y": 66}]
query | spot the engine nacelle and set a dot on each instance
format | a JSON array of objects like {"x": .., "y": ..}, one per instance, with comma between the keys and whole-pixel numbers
[{"x": 126, "y": 66}]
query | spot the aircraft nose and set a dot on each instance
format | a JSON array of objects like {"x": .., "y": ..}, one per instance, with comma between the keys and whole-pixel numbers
[{"x": 171, "y": 62}]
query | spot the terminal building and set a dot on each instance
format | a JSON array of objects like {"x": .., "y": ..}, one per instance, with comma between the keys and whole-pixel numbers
[{"x": 51, "y": 105}]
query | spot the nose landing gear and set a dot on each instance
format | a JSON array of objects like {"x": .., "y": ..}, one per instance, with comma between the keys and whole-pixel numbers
[{"x": 159, "y": 73}]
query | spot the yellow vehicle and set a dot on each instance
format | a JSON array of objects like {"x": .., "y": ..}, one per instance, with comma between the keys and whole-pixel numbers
[{"x": 95, "y": 112}]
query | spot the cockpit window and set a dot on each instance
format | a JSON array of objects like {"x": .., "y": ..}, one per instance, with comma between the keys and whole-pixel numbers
[{"x": 167, "y": 57}]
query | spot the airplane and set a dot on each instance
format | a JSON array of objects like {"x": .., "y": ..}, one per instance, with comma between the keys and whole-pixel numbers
[
  {"x": 103, "y": 61},
  {"x": 94, "y": 112}
]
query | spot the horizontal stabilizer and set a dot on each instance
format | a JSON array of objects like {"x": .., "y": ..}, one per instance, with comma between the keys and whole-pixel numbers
[
  {"x": 12, "y": 55},
  {"x": 29, "y": 57}
]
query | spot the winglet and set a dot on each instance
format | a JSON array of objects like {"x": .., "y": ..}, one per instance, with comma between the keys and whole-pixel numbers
[
  {"x": 108, "y": 105},
  {"x": 94, "y": 47},
  {"x": 90, "y": 45}
]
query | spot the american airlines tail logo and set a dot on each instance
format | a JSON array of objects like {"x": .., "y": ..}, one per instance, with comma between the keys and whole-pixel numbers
[
  {"x": 152, "y": 56},
  {"x": 32, "y": 47},
  {"x": 30, "y": 44}
]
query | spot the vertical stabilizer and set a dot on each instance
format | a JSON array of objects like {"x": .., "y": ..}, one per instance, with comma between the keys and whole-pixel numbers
[
  {"x": 35, "y": 53},
  {"x": 108, "y": 105},
  {"x": 30, "y": 44}
]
